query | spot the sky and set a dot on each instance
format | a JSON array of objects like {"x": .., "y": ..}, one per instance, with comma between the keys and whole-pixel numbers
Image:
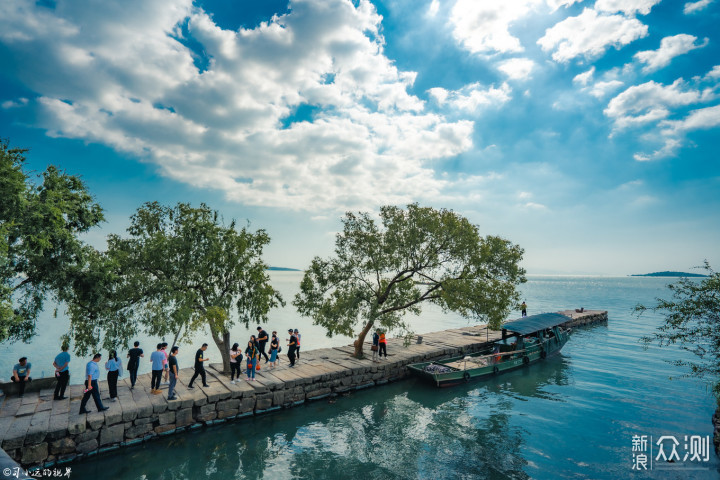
[{"x": 586, "y": 132}]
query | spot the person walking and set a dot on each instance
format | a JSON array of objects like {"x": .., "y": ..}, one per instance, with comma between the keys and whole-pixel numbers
[
  {"x": 375, "y": 345},
  {"x": 292, "y": 347},
  {"x": 21, "y": 374},
  {"x": 523, "y": 309},
  {"x": 156, "y": 359},
  {"x": 199, "y": 367},
  {"x": 62, "y": 372},
  {"x": 252, "y": 355},
  {"x": 235, "y": 363},
  {"x": 262, "y": 339},
  {"x": 382, "y": 343},
  {"x": 92, "y": 372},
  {"x": 114, "y": 369},
  {"x": 297, "y": 348},
  {"x": 134, "y": 354},
  {"x": 274, "y": 347},
  {"x": 173, "y": 369}
]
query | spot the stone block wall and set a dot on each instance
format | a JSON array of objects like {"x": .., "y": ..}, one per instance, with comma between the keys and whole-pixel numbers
[{"x": 39, "y": 432}]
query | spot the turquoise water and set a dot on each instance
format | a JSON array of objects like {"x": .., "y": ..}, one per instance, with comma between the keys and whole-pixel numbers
[{"x": 572, "y": 416}]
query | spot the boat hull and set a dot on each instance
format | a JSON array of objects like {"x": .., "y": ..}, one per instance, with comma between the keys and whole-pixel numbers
[{"x": 464, "y": 369}]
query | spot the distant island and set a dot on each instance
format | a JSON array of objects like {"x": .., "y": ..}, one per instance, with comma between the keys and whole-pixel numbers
[
  {"x": 669, "y": 274},
  {"x": 283, "y": 269}
]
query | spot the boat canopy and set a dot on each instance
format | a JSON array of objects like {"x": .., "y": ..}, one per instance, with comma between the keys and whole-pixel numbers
[{"x": 534, "y": 323}]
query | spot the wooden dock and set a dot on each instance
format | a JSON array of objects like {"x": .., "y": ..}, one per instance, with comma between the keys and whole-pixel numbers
[{"x": 37, "y": 431}]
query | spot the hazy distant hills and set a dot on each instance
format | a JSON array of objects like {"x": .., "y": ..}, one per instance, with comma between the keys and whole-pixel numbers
[{"x": 668, "y": 274}]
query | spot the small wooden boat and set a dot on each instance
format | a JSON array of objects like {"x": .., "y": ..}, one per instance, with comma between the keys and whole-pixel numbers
[{"x": 525, "y": 341}]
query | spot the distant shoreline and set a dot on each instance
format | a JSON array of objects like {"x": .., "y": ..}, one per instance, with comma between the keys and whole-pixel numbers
[
  {"x": 283, "y": 269},
  {"x": 667, "y": 274}
]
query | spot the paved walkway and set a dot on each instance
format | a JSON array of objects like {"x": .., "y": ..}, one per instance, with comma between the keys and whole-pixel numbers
[
  {"x": 37, "y": 417},
  {"x": 29, "y": 425}
]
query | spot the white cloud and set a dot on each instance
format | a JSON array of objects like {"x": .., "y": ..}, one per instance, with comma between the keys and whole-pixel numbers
[
  {"x": 555, "y": 4},
  {"x": 601, "y": 89},
  {"x": 517, "y": 68},
  {"x": 120, "y": 74},
  {"x": 472, "y": 97},
  {"x": 655, "y": 103},
  {"x": 651, "y": 102},
  {"x": 668, "y": 149},
  {"x": 632, "y": 185},
  {"x": 433, "y": 8},
  {"x": 585, "y": 77},
  {"x": 590, "y": 34},
  {"x": 484, "y": 27},
  {"x": 20, "y": 102},
  {"x": 714, "y": 73},
  {"x": 701, "y": 119},
  {"x": 628, "y": 7},
  {"x": 670, "y": 47},
  {"x": 692, "y": 7}
]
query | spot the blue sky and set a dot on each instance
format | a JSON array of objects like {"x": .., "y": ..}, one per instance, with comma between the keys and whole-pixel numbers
[{"x": 587, "y": 132}]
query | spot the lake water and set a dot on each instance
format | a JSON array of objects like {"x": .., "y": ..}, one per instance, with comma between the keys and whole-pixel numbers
[{"x": 572, "y": 416}]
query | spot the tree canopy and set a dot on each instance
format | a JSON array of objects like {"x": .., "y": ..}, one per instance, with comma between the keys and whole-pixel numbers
[
  {"x": 40, "y": 249},
  {"x": 383, "y": 270},
  {"x": 179, "y": 269},
  {"x": 692, "y": 322}
]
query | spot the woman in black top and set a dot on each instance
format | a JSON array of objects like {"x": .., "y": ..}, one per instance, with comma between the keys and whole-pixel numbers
[
  {"x": 235, "y": 359},
  {"x": 251, "y": 352},
  {"x": 134, "y": 363},
  {"x": 274, "y": 347}
]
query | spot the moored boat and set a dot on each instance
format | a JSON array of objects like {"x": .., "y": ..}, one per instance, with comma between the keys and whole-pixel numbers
[{"x": 524, "y": 341}]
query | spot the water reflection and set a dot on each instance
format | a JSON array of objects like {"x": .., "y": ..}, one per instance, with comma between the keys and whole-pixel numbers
[
  {"x": 403, "y": 430},
  {"x": 571, "y": 416},
  {"x": 526, "y": 382}
]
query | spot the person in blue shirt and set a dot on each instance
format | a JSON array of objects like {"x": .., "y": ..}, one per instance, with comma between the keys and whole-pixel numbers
[
  {"x": 114, "y": 369},
  {"x": 92, "y": 371},
  {"x": 157, "y": 358},
  {"x": 21, "y": 374},
  {"x": 62, "y": 372}
]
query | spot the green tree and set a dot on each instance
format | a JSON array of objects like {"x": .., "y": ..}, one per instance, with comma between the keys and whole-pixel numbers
[
  {"x": 382, "y": 271},
  {"x": 180, "y": 269},
  {"x": 692, "y": 322},
  {"x": 40, "y": 252}
]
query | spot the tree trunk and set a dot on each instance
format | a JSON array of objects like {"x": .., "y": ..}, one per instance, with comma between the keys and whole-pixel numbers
[
  {"x": 223, "y": 345},
  {"x": 361, "y": 339},
  {"x": 177, "y": 335}
]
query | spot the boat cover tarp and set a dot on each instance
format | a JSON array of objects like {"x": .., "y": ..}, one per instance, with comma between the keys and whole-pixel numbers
[{"x": 534, "y": 323}]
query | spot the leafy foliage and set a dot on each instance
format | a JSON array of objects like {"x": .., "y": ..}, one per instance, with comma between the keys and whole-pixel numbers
[
  {"x": 692, "y": 322},
  {"x": 382, "y": 271},
  {"x": 180, "y": 269},
  {"x": 40, "y": 252}
]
